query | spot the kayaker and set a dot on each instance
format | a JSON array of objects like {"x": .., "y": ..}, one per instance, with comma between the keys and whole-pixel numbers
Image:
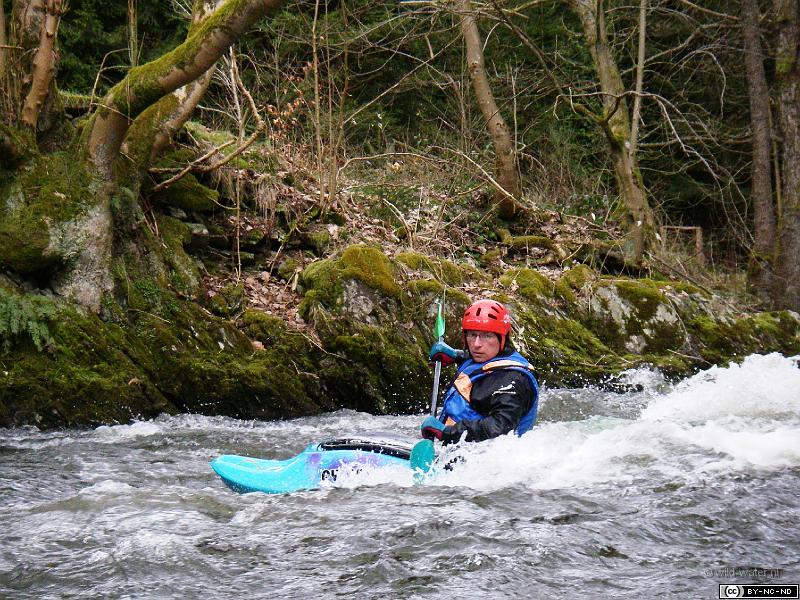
[{"x": 494, "y": 390}]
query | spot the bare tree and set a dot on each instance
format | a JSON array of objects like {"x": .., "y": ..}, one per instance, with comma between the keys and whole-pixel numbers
[
  {"x": 787, "y": 96},
  {"x": 616, "y": 124},
  {"x": 760, "y": 272},
  {"x": 507, "y": 174}
]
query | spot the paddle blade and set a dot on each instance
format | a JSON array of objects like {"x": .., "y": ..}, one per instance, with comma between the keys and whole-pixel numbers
[
  {"x": 438, "y": 328},
  {"x": 422, "y": 456}
]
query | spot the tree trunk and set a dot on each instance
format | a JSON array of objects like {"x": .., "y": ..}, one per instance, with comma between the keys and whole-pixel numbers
[
  {"x": 44, "y": 63},
  {"x": 505, "y": 155},
  {"x": 3, "y": 50},
  {"x": 617, "y": 128},
  {"x": 787, "y": 88},
  {"x": 760, "y": 270},
  {"x": 148, "y": 83}
]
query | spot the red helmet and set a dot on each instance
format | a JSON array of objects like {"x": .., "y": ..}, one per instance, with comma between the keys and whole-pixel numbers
[{"x": 488, "y": 315}]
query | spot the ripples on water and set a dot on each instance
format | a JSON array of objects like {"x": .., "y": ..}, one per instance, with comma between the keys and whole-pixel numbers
[{"x": 665, "y": 492}]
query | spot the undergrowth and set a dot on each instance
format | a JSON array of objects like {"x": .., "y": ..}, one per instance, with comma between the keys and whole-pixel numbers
[{"x": 24, "y": 316}]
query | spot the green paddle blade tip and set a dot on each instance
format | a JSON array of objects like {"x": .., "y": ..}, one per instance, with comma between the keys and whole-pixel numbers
[
  {"x": 439, "y": 327},
  {"x": 422, "y": 456}
]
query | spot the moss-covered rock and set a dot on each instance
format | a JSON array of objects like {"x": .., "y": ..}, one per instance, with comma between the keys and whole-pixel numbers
[
  {"x": 562, "y": 349},
  {"x": 371, "y": 325},
  {"x": 317, "y": 239},
  {"x": 442, "y": 269},
  {"x": 229, "y": 300},
  {"x": 184, "y": 277},
  {"x": 287, "y": 268},
  {"x": 578, "y": 277},
  {"x": 36, "y": 212},
  {"x": 92, "y": 372},
  {"x": 188, "y": 194},
  {"x": 334, "y": 282},
  {"x": 634, "y": 316},
  {"x": 720, "y": 340},
  {"x": 536, "y": 287}
]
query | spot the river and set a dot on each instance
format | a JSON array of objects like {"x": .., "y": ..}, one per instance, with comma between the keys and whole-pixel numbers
[{"x": 666, "y": 490}]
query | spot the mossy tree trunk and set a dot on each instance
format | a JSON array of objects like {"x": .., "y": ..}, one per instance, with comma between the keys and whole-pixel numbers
[
  {"x": 616, "y": 126},
  {"x": 65, "y": 231},
  {"x": 787, "y": 93},
  {"x": 760, "y": 271},
  {"x": 152, "y": 132},
  {"x": 505, "y": 154}
]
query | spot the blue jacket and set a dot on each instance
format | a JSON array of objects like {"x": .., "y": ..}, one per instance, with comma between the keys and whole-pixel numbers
[{"x": 499, "y": 397}]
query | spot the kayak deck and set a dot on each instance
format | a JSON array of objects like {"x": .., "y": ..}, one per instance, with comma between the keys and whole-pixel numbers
[{"x": 319, "y": 462}]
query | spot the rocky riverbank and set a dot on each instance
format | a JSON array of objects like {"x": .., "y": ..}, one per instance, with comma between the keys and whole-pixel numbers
[{"x": 358, "y": 338}]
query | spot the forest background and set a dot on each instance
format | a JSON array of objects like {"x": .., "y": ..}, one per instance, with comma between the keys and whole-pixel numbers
[{"x": 165, "y": 164}]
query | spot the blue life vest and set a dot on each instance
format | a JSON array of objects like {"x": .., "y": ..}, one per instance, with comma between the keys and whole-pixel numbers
[{"x": 456, "y": 405}]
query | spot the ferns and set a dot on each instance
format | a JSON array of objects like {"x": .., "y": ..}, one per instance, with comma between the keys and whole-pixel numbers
[{"x": 24, "y": 315}]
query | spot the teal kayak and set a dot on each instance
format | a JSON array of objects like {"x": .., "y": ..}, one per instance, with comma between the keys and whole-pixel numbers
[{"x": 320, "y": 462}]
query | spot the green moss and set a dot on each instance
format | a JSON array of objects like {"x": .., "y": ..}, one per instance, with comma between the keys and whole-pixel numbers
[
  {"x": 534, "y": 286},
  {"x": 184, "y": 276},
  {"x": 52, "y": 191},
  {"x": 383, "y": 370},
  {"x": 213, "y": 137},
  {"x": 525, "y": 242},
  {"x": 425, "y": 287},
  {"x": 635, "y": 315},
  {"x": 578, "y": 277},
  {"x": 140, "y": 138},
  {"x": 415, "y": 261},
  {"x": 370, "y": 266},
  {"x": 190, "y": 195},
  {"x": 490, "y": 257},
  {"x": 16, "y": 146},
  {"x": 92, "y": 373},
  {"x": 644, "y": 295},
  {"x": 263, "y": 327},
  {"x": 444, "y": 270},
  {"x": 253, "y": 237},
  {"x": 364, "y": 263},
  {"x": 720, "y": 341},
  {"x": 318, "y": 241},
  {"x": 287, "y": 268},
  {"x": 230, "y": 300},
  {"x": 563, "y": 350}
]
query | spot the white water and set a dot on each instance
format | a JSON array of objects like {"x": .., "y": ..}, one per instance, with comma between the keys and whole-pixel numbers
[{"x": 609, "y": 495}]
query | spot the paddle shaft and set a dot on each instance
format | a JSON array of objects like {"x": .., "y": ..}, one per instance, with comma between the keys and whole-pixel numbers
[
  {"x": 437, "y": 368},
  {"x": 437, "y": 373}
]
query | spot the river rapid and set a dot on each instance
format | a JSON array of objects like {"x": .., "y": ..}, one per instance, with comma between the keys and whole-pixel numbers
[{"x": 667, "y": 491}]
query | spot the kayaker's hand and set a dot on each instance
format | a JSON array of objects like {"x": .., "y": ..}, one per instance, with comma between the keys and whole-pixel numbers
[
  {"x": 445, "y": 354},
  {"x": 432, "y": 428}
]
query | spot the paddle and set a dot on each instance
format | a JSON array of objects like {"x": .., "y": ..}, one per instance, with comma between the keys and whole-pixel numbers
[{"x": 423, "y": 453}]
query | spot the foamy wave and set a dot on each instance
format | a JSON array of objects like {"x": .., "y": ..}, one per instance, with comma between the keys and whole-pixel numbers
[
  {"x": 733, "y": 418},
  {"x": 762, "y": 386},
  {"x": 113, "y": 433}
]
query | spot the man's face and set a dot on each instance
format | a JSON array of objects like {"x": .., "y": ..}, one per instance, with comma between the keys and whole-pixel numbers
[{"x": 483, "y": 345}]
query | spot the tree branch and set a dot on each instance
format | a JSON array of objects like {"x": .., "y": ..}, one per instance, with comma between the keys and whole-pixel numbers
[
  {"x": 146, "y": 84},
  {"x": 708, "y": 11},
  {"x": 636, "y": 115}
]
